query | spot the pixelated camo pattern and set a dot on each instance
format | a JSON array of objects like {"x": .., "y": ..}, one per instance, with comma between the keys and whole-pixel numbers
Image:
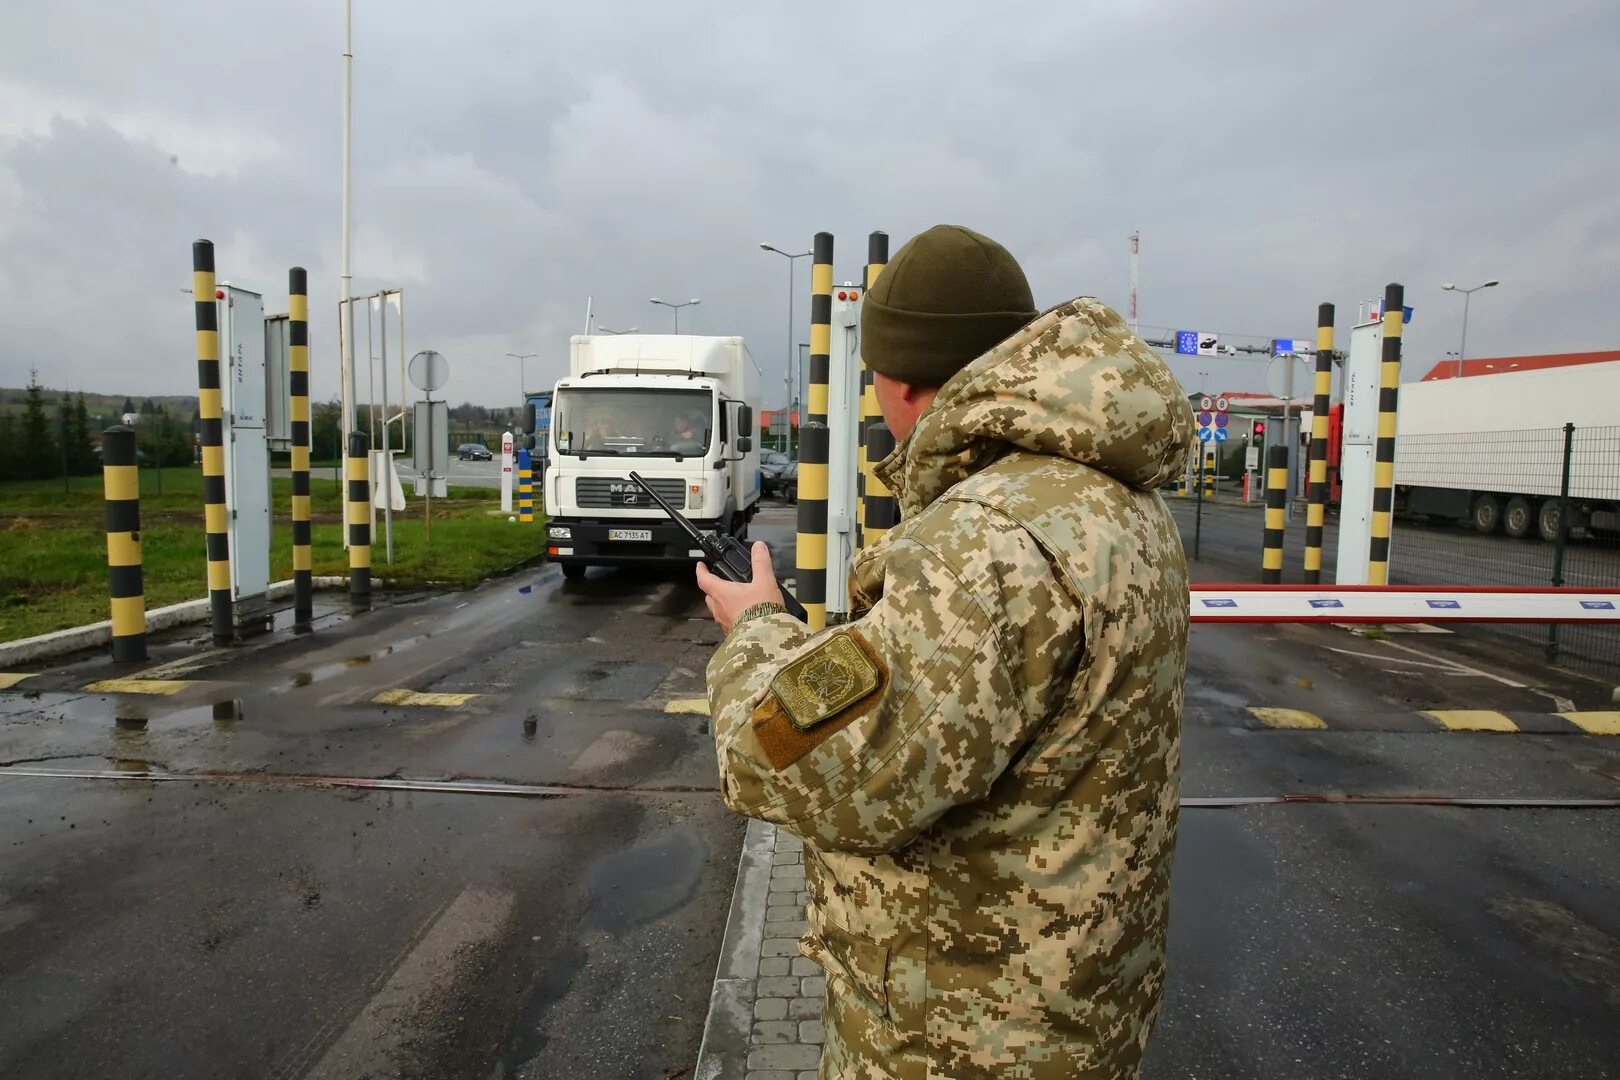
[{"x": 988, "y": 844}]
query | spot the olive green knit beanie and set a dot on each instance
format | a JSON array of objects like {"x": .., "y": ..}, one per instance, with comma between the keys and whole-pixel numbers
[{"x": 945, "y": 299}]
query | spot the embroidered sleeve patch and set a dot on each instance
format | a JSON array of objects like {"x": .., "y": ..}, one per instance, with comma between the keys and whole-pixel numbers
[{"x": 824, "y": 682}]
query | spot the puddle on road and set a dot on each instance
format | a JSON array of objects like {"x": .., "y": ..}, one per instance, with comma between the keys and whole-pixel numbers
[{"x": 644, "y": 883}]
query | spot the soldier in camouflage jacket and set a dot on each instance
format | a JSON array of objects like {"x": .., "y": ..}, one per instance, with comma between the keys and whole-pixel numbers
[{"x": 983, "y": 761}]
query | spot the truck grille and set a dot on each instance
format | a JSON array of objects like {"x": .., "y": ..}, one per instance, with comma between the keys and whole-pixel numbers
[{"x": 618, "y": 493}]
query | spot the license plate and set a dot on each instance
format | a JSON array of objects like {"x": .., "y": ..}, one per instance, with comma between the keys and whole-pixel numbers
[{"x": 630, "y": 534}]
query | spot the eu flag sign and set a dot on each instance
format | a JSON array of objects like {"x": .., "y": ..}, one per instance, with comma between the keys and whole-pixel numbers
[{"x": 1187, "y": 342}]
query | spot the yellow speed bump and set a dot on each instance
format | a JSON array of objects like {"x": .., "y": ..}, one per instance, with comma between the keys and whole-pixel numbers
[
  {"x": 1595, "y": 723},
  {"x": 8, "y": 679},
  {"x": 1471, "y": 720},
  {"x": 162, "y": 687},
  {"x": 689, "y": 706},
  {"x": 417, "y": 697},
  {"x": 1289, "y": 719}
]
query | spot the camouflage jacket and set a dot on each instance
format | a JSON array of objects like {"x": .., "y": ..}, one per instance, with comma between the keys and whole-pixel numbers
[{"x": 983, "y": 761}]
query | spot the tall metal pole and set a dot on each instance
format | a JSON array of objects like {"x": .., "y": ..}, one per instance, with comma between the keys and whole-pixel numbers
[
  {"x": 1462, "y": 349},
  {"x": 346, "y": 325},
  {"x": 1288, "y": 428},
  {"x": 388, "y": 458},
  {"x": 788, "y": 380}
]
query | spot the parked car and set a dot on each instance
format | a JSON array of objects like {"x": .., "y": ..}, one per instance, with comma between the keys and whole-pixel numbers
[
  {"x": 771, "y": 465},
  {"x": 471, "y": 451},
  {"x": 787, "y": 482}
]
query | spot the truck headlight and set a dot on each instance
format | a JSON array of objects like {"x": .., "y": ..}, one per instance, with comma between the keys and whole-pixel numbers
[{"x": 559, "y": 532}]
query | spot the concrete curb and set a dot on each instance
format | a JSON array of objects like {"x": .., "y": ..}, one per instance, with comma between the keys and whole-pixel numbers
[
  {"x": 723, "y": 1053},
  {"x": 77, "y": 638}
]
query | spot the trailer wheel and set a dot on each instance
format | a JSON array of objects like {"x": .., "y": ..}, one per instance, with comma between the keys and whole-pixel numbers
[
  {"x": 1547, "y": 521},
  {"x": 1487, "y": 514},
  {"x": 1518, "y": 517}
]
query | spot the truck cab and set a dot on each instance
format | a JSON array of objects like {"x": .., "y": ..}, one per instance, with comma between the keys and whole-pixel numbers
[{"x": 678, "y": 410}]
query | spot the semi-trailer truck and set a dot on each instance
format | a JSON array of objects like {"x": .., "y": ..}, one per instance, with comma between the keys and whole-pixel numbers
[
  {"x": 676, "y": 408},
  {"x": 1487, "y": 449}
]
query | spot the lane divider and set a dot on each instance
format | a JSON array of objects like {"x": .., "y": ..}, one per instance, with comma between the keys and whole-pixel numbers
[
  {"x": 1595, "y": 723},
  {"x": 1471, "y": 720},
  {"x": 424, "y": 699},
  {"x": 1288, "y": 719},
  {"x": 159, "y": 687},
  {"x": 688, "y": 706},
  {"x": 8, "y": 679}
]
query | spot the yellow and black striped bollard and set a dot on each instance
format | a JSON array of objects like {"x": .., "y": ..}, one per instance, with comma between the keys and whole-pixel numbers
[
  {"x": 879, "y": 512},
  {"x": 1316, "y": 510},
  {"x": 810, "y": 574},
  {"x": 122, "y": 486},
  {"x": 357, "y": 472},
  {"x": 1276, "y": 514},
  {"x": 1209, "y": 471},
  {"x": 298, "y": 385},
  {"x": 525, "y": 491},
  {"x": 1389, "y": 389},
  {"x": 211, "y": 424}
]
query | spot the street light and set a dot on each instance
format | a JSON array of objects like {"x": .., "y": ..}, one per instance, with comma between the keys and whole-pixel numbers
[
  {"x": 605, "y": 330},
  {"x": 676, "y": 308},
  {"x": 523, "y": 378},
  {"x": 792, "y": 259},
  {"x": 1462, "y": 349}
]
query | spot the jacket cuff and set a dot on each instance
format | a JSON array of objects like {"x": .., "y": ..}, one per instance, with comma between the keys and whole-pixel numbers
[{"x": 757, "y": 611}]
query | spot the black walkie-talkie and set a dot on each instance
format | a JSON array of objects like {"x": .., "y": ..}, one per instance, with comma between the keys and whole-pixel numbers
[{"x": 725, "y": 556}]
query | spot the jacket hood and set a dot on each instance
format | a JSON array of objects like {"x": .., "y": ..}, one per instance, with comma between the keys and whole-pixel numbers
[{"x": 1074, "y": 383}]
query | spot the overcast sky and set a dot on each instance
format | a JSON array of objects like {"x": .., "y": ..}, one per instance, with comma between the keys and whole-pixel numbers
[{"x": 511, "y": 159}]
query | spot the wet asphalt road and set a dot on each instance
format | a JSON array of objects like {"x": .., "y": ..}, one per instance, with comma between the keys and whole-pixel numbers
[{"x": 247, "y": 925}]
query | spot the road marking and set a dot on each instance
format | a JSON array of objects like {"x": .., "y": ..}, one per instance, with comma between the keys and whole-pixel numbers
[
  {"x": 1447, "y": 668},
  {"x": 9, "y": 679},
  {"x": 1454, "y": 665},
  {"x": 183, "y": 666},
  {"x": 163, "y": 687},
  {"x": 378, "y": 1042},
  {"x": 694, "y": 706},
  {"x": 1595, "y": 723},
  {"x": 1471, "y": 720},
  {"x": 1290, "y": 719},
  {"x": 417, "y": 697}
]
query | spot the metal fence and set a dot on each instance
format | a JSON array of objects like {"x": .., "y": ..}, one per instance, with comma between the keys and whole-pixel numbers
[{"x": 1526, "y": 508}]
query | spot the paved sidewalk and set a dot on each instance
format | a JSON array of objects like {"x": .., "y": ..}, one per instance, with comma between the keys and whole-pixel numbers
[{"x": 765, "y": 1010}]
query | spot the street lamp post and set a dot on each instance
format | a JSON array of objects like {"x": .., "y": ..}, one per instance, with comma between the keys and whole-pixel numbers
[
  {"x": 676, "y": 308},
  {"x": 792, "y": 259},
  {"x": 523, "y": 378},
  {"x": 1462, "y": 348}
]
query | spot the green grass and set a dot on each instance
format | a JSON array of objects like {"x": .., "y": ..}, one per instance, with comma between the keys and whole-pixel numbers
[{"x": 53, "y": 571}]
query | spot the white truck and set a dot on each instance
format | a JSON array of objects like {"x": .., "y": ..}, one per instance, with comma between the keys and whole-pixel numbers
[
  {"x": 676, "y": 408},
  {"x": 1488, "y": 449}
]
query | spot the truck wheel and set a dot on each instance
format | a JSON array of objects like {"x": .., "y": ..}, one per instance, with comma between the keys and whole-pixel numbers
[
  {"x": 1518, "y": 517},
  {"x": 573, "y": 571},
  {"x": 1547, "y": 521},
  {"x": 1487, "y": 514}
]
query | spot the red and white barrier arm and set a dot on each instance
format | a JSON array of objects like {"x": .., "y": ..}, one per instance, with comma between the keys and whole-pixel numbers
[{"x": 1402, "y": 604}]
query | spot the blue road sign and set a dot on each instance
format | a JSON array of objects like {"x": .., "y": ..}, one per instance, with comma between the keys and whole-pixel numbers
[
  {"x": 1187, "y": 342},
  {"x": 1203, "y": 418},
  {"x": 1220, "y": 432},
  {"x": 1221, "y": 419},
  {"x": 1205, "y": 434}
]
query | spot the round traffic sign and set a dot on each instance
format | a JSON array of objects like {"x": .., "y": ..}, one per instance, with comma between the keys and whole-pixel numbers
[
  {"x": 1204, "y": 434},
  {"x": 429, "y": 370},
  {"x": 1203, "y": 419},
  {"x": 1221, "y": 419},
  {"x": 1220, "y": 434},
  {"x": 1220, "y": 403},
  {"x": 1205, "y": 403}
]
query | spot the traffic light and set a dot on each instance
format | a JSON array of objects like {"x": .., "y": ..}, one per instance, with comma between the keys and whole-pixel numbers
[{"x": 1258, "y": 431}]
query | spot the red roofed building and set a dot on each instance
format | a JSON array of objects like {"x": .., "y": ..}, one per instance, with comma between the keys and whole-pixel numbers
[{"x": 1494, "y": 365}]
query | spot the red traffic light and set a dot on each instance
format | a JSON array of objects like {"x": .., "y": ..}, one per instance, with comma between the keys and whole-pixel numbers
[{"x": 1259, "y": 427}]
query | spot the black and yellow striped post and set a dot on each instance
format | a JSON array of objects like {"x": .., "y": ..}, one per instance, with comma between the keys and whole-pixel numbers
[
  {"x": 1389, "y": 388},
  {"x": 211, "y": 422},
  {"x": 1209, "y": 470},
  {"x": 879, "y": 511},
  {"x": 1271, "y": 560},
  {"x": 298, "y": 384},
  {"x": 122, "y": 486},
  {"x": 525, "y": 486},
  {"x": 810, "y": 575},
  {"x": 357, "y": 471},
  {"x": 1316, "y": 510}
]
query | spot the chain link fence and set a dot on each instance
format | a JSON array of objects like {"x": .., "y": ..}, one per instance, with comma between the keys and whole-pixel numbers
[{"x": 1519, "y": 508}]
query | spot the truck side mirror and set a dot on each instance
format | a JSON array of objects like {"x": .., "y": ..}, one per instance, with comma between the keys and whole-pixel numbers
[
  {"x": 745, "y": 443},
  {"x": 745, "y": 424}
]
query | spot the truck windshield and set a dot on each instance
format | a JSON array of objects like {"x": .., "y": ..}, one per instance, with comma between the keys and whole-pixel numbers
[{"x": 633, "y": 422}]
